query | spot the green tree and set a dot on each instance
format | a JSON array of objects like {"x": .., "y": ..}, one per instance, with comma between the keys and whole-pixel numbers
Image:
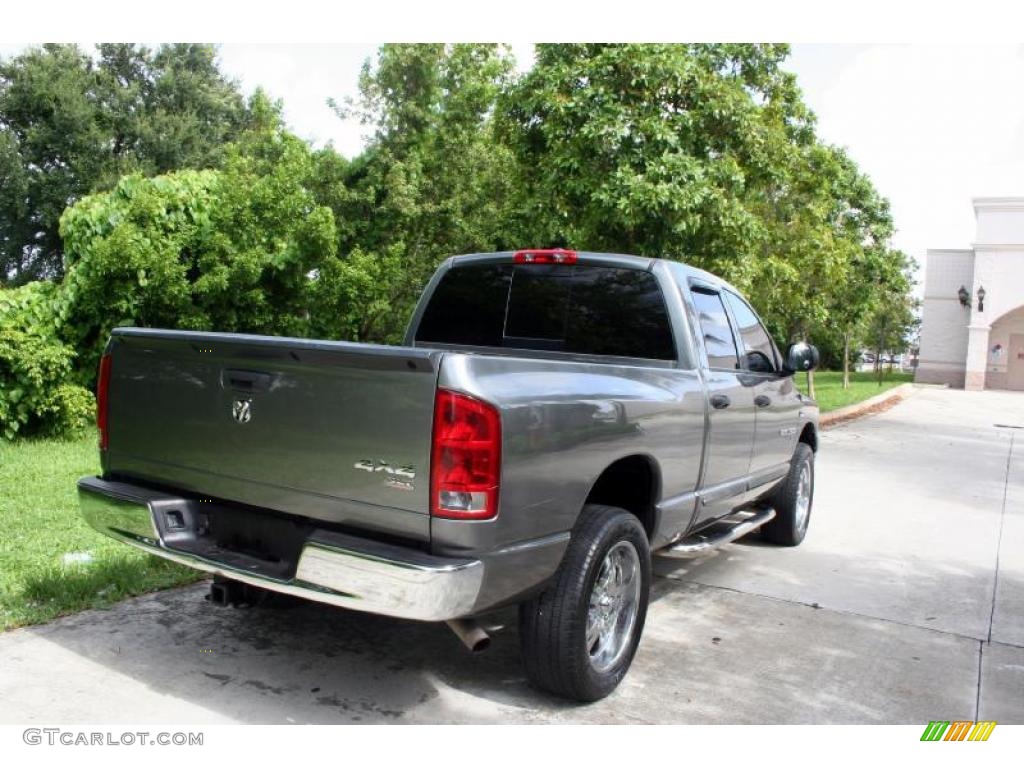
[
  {"x": 71, "y": 124},
  {"x": 891, "y": 325},
  {"x": 434, "y": 180},
  {"x": 52, "y": 148},
  {"x": 655, "y": 149},
  {"x": 167, "y": 108},
  {"x": 835, "y": 229},
  {"x": 703, "y": 153}
]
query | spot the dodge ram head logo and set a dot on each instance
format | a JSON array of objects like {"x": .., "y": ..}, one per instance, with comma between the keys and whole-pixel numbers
[{"x": 241, "y": 410}]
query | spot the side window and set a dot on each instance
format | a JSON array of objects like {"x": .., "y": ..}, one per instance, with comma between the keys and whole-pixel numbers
[
  {"x": 758, "y": 351},
  {"x": 714, "y": 324}
]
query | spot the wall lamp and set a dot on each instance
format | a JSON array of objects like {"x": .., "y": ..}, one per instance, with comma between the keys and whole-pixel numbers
[
  {"x": 981, "y": 299},
  {"x": 965, "y": 297}
]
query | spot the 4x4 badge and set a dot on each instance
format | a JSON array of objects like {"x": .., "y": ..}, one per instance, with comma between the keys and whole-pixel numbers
[
  {"x": 241, "y": 410},
  {"x": 400, "y": 477}
]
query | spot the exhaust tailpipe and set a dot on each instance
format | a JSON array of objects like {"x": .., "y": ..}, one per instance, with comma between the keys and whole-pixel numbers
[{"x": 472, "y": 635}]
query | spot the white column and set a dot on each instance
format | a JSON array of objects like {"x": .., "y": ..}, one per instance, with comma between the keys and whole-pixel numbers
[{"x": 977, "y": 357}]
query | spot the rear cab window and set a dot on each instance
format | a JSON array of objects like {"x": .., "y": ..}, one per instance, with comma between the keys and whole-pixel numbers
[{"x": 579, "y": 309}]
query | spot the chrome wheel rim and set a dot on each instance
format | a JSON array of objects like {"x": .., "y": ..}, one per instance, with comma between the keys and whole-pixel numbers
[
  {"x": 803, "y": 496},
  {"x": 614, "y": 604}
]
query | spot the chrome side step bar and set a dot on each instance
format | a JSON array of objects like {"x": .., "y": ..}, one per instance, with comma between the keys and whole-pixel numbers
[{"x": 703, "y": 542}]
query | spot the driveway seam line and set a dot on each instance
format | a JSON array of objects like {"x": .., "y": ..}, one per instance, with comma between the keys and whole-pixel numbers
[
  {"x": 999, "y": 538},
  {"x": 995, "y": 578},
  {"x": 977, "y": 697}
]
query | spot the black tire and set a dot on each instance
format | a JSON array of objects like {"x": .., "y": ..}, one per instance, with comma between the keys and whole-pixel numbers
[
  {"x": 553, "y": 625},
  {"x": 788, "y": 527}
]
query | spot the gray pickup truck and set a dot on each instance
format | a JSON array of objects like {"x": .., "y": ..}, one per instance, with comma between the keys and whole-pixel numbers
[{"x": 552, "y": 419}]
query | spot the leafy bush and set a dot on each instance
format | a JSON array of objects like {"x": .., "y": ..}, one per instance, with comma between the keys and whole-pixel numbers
[
  {"x": 229, "y": 250},
  {"x": 232, "y": 250},
  {"x": 362, "y": 297},
  {"x": 37, "y": 394}
]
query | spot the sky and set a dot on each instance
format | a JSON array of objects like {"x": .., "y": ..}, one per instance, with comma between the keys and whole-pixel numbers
[{"x": 933, "y": 126}]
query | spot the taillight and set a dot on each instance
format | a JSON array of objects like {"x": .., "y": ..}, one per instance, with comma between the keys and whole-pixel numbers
[
  {"x": 465, "y": 466},
  {"x": 102, "y": 386},
  {"x": 545, "y": 256}
]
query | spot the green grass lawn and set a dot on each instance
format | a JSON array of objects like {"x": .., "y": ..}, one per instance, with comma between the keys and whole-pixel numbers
[
  {"x": 40, "y": 524},
  {"x": 828, "y": 387}
]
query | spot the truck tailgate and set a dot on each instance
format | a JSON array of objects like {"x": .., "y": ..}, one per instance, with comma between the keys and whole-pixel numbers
[{"x": 333, "y": 431}]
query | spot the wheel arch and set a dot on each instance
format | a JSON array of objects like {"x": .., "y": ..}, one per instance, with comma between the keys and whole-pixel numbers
[
  {"x": 632, "y": 483},
  {"x": 809, "y": 436}
]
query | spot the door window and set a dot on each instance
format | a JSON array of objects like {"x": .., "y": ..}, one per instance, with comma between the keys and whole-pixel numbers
[
  {"x": 758, "y": 350},
  {"x": 714, "y": 325}
]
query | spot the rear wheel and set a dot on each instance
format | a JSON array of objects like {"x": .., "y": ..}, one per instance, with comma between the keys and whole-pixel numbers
[
  {"x": 579, "y": 636},
  {"x": 793, "y": 501}
]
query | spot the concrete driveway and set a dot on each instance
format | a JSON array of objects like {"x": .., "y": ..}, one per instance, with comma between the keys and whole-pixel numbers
[{"x": 905, "y": 604}]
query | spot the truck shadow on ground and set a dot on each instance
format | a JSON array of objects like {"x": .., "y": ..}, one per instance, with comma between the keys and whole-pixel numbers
[
  {"x": 312, "y": 663},
  {"x": 295, "y": 661},
  {"x": 303, "y": 662}
]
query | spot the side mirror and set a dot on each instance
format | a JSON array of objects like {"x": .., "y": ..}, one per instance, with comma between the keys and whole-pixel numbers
[{"x": 801, "y": 357}]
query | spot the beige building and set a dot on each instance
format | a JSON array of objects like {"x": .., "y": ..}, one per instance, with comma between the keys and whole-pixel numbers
[{"x": 972, "y": 331}]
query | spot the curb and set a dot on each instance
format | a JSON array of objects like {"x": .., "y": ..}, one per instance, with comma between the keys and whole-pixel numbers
[{"x": 875, "y": 404}]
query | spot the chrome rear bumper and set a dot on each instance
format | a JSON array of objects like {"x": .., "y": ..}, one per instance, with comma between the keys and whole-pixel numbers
[{"x": 334, "y": 568}]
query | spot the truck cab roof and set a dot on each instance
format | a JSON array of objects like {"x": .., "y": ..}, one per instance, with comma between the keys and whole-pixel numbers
[{"x": 599, "y": 258}]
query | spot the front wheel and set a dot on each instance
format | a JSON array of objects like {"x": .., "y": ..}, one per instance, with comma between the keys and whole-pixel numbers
[
  {"x": 578, "y": 636},
  {"x": 793, "y": 500}
]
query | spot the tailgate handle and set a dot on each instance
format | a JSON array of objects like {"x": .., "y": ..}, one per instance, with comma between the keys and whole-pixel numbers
[{"x": 247, "y": 381}]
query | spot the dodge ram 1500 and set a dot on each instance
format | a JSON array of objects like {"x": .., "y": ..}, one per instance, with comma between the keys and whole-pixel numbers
[{"x": 552, "y": 419}]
